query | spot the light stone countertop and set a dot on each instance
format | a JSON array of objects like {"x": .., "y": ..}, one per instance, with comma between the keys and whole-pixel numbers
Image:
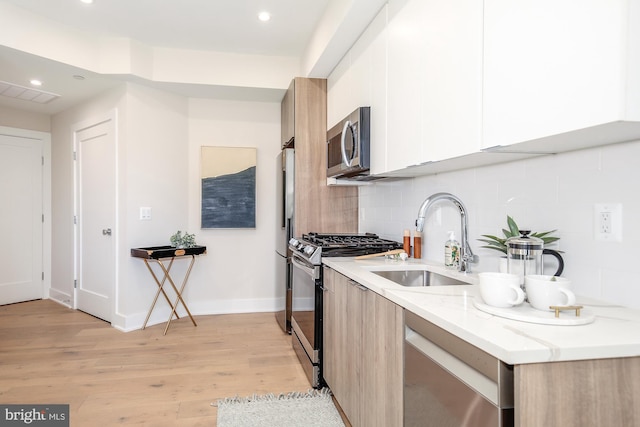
[{"x": 615, "y": 332}]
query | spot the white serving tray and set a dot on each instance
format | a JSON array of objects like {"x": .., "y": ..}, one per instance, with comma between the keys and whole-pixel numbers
[{"x": 525, "y": 313}]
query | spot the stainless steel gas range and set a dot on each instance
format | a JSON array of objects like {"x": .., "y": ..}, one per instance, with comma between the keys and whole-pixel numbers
[{"x": 306, "y": 316}]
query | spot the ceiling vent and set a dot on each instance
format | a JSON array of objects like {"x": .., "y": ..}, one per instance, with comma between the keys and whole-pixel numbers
[{"x": 26, "y": 94}]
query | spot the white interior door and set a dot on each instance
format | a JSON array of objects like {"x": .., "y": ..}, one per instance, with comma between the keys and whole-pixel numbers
[
  {"x": 21, "y": 219},
  {"x": 96, "y": 217}
]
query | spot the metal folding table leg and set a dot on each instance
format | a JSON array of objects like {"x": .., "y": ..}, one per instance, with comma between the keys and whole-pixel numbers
[
  {"x": 178, "y": 293},
  {"x": 160, "y": 289}
]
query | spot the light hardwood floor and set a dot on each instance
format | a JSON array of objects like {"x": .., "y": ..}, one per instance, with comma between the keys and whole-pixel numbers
[{"x": 52, "y": 354}]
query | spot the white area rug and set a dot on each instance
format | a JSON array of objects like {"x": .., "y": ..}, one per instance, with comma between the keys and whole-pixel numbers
[{"x": 312, "y": 409}]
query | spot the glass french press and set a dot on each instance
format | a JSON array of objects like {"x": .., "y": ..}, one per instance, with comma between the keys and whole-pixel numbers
[{"x": 524, "y": 255}]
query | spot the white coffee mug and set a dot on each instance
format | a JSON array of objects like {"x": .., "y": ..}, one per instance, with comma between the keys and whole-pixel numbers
[
  {"x": 545, "y": 291},
  {"x": 500, "y": 289}
]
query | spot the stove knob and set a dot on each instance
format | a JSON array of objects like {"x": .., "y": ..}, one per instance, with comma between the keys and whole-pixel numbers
[
  {"x": 308, "y": 250},
  {"x": 293, "y": 241},
  {"x": 300, "y": 246}
]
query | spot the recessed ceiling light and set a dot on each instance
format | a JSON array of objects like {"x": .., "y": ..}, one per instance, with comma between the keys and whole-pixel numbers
[
  {"x": 264, "y": 16},
  {"x": 35, "y": 82},
  {"x": 87, "y": 1}
]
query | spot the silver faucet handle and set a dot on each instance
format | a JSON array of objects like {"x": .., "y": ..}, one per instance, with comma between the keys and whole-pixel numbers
[
  {"x": 468, "y": 258},
  {"x": 468, "y": 254}
]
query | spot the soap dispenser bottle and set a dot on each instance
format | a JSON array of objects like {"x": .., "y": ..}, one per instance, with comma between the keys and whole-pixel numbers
[{"x": 452, "y": 252}]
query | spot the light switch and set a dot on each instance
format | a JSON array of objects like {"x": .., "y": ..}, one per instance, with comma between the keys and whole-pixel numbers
[{"x": 145, "y": 214}]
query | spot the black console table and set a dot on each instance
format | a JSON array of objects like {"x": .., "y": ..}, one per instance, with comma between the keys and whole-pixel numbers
[{"x": 161, "y": 254}]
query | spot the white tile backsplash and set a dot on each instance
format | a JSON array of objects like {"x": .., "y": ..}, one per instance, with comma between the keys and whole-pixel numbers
[{"x": 542, "y": 193}]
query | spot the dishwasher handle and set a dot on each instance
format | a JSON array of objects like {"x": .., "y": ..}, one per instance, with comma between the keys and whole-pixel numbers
[{"x": 456, "y": 367}]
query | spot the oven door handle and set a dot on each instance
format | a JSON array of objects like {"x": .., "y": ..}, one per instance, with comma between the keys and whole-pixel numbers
[{"x": 311, "y": 271}]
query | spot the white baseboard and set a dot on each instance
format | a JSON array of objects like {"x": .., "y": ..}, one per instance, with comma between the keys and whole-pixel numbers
[
  {"x": 60, "y": 297},
  {"x": 198, "y": 308},
  {"x": 160, "y": 314}
]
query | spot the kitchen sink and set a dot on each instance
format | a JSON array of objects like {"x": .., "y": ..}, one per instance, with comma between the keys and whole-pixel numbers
[{"x": 418, "y": 278}]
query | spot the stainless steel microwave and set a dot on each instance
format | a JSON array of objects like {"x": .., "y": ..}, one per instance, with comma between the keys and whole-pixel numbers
[{"x": 348, "y": 146}]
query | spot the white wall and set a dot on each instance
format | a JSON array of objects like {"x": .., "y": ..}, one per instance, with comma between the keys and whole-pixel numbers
[
  {"x": 24, "y": 120},
  {"x": 159, "y": 140},
  {"x": 153, "y": 166},
  {"x": 238, "y": 272},
  {"x": 544, "y": 193}
]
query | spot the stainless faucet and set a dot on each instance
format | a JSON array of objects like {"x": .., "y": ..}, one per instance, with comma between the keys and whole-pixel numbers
[{"x": 466, "y": 255}]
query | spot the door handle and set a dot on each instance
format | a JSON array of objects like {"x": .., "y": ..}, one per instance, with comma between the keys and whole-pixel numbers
[{"x": 106, "y": 232}]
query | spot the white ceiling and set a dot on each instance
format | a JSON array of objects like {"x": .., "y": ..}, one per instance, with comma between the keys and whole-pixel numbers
[
  {"x": 217, "y": 25},
  {"x": 204, "y": 25},
  {"x": 19, "y": 67}
]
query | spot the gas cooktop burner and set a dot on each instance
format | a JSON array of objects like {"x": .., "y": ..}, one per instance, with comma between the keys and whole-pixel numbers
[
  {"x": 346, "y": 240},
  {"x": 344, "y": 245},
  {"x": 313, "y": 247}
]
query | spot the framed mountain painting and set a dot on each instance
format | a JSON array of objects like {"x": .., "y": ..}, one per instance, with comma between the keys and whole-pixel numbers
[{"x": 228, "y": 180}]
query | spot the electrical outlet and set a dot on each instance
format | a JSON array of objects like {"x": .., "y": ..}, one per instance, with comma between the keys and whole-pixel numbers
[
  {"x": 608, "y": 222},
  {"x": 604, "y": 225}
]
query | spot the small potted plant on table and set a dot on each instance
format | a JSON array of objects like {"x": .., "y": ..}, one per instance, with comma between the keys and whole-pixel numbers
[{"x": 185, "y": 240}]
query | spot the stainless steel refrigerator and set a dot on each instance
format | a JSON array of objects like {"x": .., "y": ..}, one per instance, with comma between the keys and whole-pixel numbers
[{"x": 284, "y": 231}]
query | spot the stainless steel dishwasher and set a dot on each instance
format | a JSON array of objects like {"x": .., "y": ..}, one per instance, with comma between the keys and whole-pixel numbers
[{"x": 450, "y": 383}]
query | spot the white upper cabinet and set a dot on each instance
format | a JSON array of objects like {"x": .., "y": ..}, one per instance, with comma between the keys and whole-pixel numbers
[
  {"x": 360, "y": 80},
  {"x": 560, "y": 74},
  {"x": 451, "y": 81},
  {"x": 434, "y": 80},
  {"x": 404, "y": 82},
  {"x": 339, "y": 91},
  {"x": 419, "y": 67},
  {"x": 370, "y": 58},
  {"x": 452, "y": 74}
]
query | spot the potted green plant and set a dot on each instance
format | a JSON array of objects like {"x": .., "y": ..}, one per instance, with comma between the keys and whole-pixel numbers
[
  {"x": 185, "y": 240},
  {"x": 499, "y": 244}
]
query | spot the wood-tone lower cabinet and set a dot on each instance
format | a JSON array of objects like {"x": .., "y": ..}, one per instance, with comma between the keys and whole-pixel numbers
[
  {"x": 363, "y": 352},
  {"x": 383, "y": 351},
  {"x": 342, "y": 343},
  {"x": 586, "y": 393}
]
